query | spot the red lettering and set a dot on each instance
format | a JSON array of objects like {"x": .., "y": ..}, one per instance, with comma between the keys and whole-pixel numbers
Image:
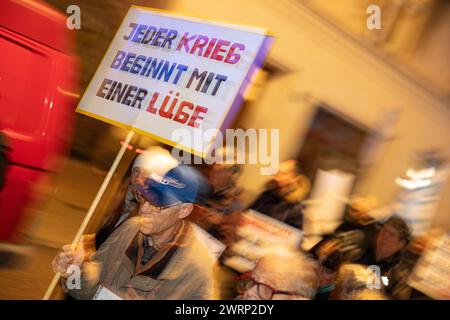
[
  {"x": 210, "y": 47},
  {"x": 196, "y": 115},
  {"x": 232, "y": 57},
  {"x": 199, "y": 44},
  {"x": 218, "y": 49},
  {"x": 181, "y": 116},
  {"x": 184, "y": 42},
  {"x": 151, "y": 104},
  {"x": 168, "y": 113}
]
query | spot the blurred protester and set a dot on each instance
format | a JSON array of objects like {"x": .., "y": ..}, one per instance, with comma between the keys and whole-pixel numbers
[
  {"x": 358, "y": 216},
  {"x": 329, "y": 259},
  {"x": 153, "y": 160},
  {"x": 358, "y": 229},
  {"x": 3, "y": 159},
  {"x": 283, "y": 195},
  {"x": 222, "y": 179},
  {"x": 281, "y": 275},
  {"x": 399, "y": 274},
  {"x": 152, "y": 256},
  {"x": 219, "y": 213},
  {"x": 221, "y": 192},
  {"x": 387, "y": 250},
  {"x": 389, "y": 243},
  {"x": 281, "y": 201},
  {"x": 352, "y": 284},
  {"x": 348, "y": 243}
]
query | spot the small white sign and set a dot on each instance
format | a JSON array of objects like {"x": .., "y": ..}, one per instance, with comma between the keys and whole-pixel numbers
[{"x": 104, "y": 293}]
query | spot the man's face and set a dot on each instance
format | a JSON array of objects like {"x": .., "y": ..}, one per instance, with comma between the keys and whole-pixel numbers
[
  {"x": 389, "y": 242},
  {"x": 152, "y": 221},
  {"x": 260, "y": 291},
  {"x": 138, "y": 176},
  {"x": 262, "y": 286}
]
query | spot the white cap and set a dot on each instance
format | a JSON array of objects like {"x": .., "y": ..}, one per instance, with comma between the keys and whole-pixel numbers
[{"x": 155, "y": 160}]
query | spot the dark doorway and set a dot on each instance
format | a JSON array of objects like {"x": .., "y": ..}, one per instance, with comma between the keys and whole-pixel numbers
[{"x": 332, "y": 142}]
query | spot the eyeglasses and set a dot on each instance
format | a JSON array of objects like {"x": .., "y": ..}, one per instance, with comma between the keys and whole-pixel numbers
[
  {"x": 264, "y": 291},
  {"x": 141, "y": 200}
]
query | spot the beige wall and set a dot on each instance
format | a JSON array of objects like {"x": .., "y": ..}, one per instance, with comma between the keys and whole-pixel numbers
[{"x": 330, "y": 67}]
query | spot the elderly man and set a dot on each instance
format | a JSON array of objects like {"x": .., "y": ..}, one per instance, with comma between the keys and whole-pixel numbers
[
  {"x": 281, "y": 275},
  {"x": 152, "y": 256},
  {"x": 154, "y": 160}
]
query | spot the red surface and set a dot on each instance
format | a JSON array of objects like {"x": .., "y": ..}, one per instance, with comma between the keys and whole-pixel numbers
[
  {"x": 38, "y": 86},
  {"x": 37, "y": 21}
]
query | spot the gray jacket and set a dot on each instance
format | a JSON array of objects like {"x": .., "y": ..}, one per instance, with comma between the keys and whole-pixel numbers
[{"x": 188, "y": 274}]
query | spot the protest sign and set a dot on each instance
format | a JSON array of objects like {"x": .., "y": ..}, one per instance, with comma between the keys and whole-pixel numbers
[
  {"x": 326, "y": 207},
  {"x": 431, "y": 274},
  {"x": 256, "y": 233},
  {"x": 177, "y": 79},
  {"x": 419, "y": 199}
]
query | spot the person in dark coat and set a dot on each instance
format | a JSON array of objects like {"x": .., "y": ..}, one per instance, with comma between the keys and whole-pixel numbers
[
  {"x": 384, "y": 246},
  {"x": 282, "y": 198}
]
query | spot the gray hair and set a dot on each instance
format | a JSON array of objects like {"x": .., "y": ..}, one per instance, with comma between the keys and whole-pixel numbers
[
  {"x": 352, "y": 282},
  {"x": 289, "y": 270}
]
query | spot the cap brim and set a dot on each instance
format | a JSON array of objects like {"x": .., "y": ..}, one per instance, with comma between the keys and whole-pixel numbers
[{"x": 156, "y": 196}]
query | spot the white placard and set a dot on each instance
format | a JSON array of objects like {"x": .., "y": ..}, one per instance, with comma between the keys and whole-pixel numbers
[
  {"x": 163, "y": 73},
  {"x": 329, "y": 197},
  {"x": 418, "y": 206},
  {"x": 325, "y": 210},
  {"x": 431, "y": 274},
  {"x": 256, "y": 233}
]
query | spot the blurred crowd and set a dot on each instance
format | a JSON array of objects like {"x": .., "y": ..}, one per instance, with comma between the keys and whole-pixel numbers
[{"x": 150, "y": 246}]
